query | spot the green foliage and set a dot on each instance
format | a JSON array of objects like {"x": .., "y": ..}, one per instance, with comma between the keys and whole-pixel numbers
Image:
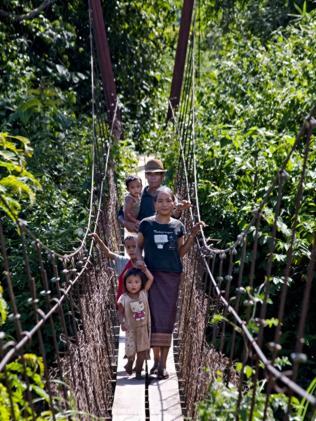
[
  {"x": 126, "y": 162},
  {"x": 45, "y": 96},
  {"x": 304, "y": 404},
  {"x": 22, "y": 379},
  {"x": 260, "y": 17},
  {"x": 142, "y": 42},
  {"x": 221, "y": 403},
  {"x": 3, "y": 307},
  {"x": 257, "y": 81},
  {"x": 16, "y": 183},
  {"x": 23, "y": 390},
  {"x": 251, "y": 99}
]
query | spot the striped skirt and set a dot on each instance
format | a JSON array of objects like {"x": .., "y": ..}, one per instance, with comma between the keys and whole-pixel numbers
[{"x": 163, "y": 296}]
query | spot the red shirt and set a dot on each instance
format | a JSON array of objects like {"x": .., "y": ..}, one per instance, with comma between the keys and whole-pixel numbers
[{"x": 120, "y": 285}]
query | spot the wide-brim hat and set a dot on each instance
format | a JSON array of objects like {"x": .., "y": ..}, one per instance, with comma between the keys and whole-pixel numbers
[{"x": 154, "y": 165}]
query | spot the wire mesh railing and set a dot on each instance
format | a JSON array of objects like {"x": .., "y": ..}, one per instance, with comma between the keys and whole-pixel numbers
[
  {"x": 58, "y": 344},
  {"x": 232, "y": 319}
]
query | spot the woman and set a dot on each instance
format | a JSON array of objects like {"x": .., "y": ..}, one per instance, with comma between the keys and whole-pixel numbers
[{"x": 162, "y": 238}]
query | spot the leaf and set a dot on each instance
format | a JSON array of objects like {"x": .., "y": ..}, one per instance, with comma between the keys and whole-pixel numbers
[
  {"x": 216, "y": 319},
  {"x": 272, "y": 322},
  {"x": 3, "y": 310},
  {"x": 238, "y": 366},
  {"x": 10, "y": 207},
  {"x": 11, "y": 167},
  {"x": 18, "y": 187},
  {"x": 7, "y": 155},
  {"x": 282, "y": 227},
  {"x": 248, "y": 371},
  {"x": 40, "y": 392},
  {"x": 22, "y": 139}
]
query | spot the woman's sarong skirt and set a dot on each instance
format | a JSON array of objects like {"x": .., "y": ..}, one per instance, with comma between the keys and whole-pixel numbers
[{"x": 163, "y": 296}]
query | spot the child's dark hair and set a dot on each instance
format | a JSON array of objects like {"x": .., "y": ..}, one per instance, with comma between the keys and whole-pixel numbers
[
  {"x": 129, "y": 237},
  {"x": 131, "y": 178},
  {"x": 135, "y": 272}
]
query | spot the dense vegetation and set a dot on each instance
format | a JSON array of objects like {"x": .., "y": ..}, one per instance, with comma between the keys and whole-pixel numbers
[
  {"x": 45, "y": 108},
  {"x": 256, "y": 82}
]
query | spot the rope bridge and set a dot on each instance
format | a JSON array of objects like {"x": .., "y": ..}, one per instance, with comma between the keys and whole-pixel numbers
[
  {"x": 224, "y": 305},
  {"x": 71, "y": 300}
]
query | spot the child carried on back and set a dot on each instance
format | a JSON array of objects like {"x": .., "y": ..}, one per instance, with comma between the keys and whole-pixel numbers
[
  {"x": 135, "y": 317},
  {"x": 132, "y": 199}
]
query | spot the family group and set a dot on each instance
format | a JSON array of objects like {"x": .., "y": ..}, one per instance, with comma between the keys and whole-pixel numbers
[{"x": 148, "y": 286}]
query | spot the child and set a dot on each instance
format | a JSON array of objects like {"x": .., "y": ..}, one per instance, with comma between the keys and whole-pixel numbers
[
  {"x": 162, "y": 238},
  {"x": 135, "y": 317},
  {"x": 154, "y": 173},
  {"x": 132, "y": 199},
  {"x": 121, "y": 263}
]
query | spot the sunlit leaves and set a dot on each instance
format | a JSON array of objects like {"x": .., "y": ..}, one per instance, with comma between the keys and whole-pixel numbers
[
  {"x": 16, "y": 183},
  {"x": 3, "y": 308},
  {"x": 222, "y": 398},
  {"x": 24, "y": 373}
]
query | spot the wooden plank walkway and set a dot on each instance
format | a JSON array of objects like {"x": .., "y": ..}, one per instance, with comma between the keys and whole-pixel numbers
[
  {"x": 163, "y": 395},
  {"x": 130, "y": 395}
]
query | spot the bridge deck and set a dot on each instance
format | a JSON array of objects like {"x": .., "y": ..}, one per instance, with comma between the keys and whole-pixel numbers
[
  {"x": 163, "y": 396},
  {"x": 129, "y": 397},
  {"x": 132, "y": 397}
]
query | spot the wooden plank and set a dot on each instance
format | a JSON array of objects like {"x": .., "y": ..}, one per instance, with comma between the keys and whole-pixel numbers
[
  {"x": 129, "y": 395},
  {"x": 163, "y": 395}
]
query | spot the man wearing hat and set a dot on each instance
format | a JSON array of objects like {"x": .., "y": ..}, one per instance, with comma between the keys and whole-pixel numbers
[{"x": 154, "y": 173}]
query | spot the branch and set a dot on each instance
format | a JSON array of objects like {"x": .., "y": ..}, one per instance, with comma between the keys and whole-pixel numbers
[{"x": 30, "y": 15}]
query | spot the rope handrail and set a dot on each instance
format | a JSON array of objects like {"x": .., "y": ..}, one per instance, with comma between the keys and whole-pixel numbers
[
  {"x": 76, "y": 289},
  {"x": 20, "y": 222},
  {"x": 66, "y": 257},
  {"x": 64, "y": 288},
  {"x": 276, "y": 373},
  {"x": 209, "y": 294}
]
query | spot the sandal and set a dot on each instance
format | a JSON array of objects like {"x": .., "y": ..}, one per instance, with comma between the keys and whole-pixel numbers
[
  {"x": 154, "y": 368},
  {"x": 162, "y": 374},
  {"x": 139, "y": 376}
]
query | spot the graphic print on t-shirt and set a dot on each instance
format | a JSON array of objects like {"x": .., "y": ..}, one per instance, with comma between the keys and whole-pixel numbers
[
  {"x": 138, "y": 310},
  {"x": 160, "y": 240},
  {"x": 165, "y": 240}
]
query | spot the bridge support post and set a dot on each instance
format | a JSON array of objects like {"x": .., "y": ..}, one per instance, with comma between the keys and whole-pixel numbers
[
  {"x": 105, "y": 65},
  {"x": 178, "y": 70}
]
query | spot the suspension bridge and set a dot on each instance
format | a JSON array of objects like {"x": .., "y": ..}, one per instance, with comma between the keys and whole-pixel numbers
[{"x": 222, "y": 318}]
